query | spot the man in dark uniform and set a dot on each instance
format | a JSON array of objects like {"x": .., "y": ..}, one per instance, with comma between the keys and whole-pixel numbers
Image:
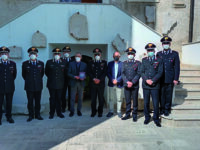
[
  {"x": 8, "y": 73},
  {"x": 151, "y": 72},
  {"x": 97, "y": 70},
  {"x": 55, "y": 70},
  {"x": 171, "y": 63},
  {"x": 131, "y": 76},
  {"x": 66, "y": 59},
  {"x": 32, "y": 73}
]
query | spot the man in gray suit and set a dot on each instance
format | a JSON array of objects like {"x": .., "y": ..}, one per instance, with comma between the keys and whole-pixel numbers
[{"x": 77, "y": 74}]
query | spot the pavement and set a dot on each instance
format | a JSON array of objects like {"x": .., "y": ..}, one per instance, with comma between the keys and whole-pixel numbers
[{"x": 86, "y": 133}]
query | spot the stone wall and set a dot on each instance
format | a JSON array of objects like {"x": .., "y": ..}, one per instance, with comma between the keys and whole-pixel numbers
[
  {"x": 165, "y": 16},
  {"x": 196, "y": 31},
  {"x": 173, "y": 18},
  {"x": 9, "y": 9}
]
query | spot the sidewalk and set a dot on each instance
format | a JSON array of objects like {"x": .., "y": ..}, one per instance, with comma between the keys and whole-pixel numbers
[{"x": 86, "y": 133}]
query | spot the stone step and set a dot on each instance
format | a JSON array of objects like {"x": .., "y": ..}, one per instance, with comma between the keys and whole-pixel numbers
[
  {"x": 190, "y": 79},
  {"x": 190, "y": 73},
  {"x": 188, "y": 111},
  {"x": 189, "y": 67},
  {"x": 188, "y": 86},
  {"x": 187, "y": 92},
  {"x": 187, "y": 105},
  {"x": 187, "y": 98},
  {"x": 179, "y": 100},
  {"x": 181, "y": 120}
]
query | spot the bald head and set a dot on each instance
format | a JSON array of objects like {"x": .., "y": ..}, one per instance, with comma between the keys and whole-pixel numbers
[{"x": 116, "y": 56}]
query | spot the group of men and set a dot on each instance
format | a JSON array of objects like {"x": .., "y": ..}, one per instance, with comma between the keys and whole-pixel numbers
[{"x": 66, "y": 75}]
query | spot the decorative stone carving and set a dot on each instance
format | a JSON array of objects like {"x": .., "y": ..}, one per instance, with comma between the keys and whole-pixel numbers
[
  {"x": 150, "y": 13},
  {"x": 15, "y": 52},
  {"x": 119, "y": 44},
  {"x": 78, "y": 26},
  {"x": 39, "y": 40}
]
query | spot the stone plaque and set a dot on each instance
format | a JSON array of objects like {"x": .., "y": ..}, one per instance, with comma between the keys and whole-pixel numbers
[
  {"x": 15, "y": 52},
  {"x": 78, "y": 26},
  {"x": 39, "y": 40},
  {"x": 119, "y": 44}
]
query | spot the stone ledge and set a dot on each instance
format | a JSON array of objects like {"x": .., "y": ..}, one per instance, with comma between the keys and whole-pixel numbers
[{"x": 181, "y": 120}]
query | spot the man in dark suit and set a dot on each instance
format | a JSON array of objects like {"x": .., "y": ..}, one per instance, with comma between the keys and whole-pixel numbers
[
  {"x": 77, "y": 73},
  {"x": 55, "y": 70},
  {"x": 115, "y": 84},
  {"x": 171, "y": 64},
  {"x": 97, "y": 71},
  {"x": 151, "y": 72},
  {"x": 131, "y": 76},
  {"x": 8, "y": 73},
  {"x": 67, "y": 59},
  {"x": 32, "y": 73}
]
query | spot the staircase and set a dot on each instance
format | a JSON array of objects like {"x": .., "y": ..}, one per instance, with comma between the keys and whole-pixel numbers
[{"x": 186, "y": 105}]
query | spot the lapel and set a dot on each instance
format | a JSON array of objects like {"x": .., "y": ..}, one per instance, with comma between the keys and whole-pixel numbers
[
  {"x": 119, "y": 68},
  {"x": 113, "y": 69},
  {"x": 80, "y": 66}
]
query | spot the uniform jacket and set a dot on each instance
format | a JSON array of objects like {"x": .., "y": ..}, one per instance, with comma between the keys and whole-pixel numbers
[
  {"x": 111, "y": 74},
  {"x": 151, "y": 69},
  {"x": 8, "y": 75},
  {"x": 66, "y": 61},
  {"x": 97, "y": 70},
  {"x": 33, "y": 75},
  {"x": 72, "y": 71},
  {"x": 171, "y": 65},
  {"x": 131, "y": 72},
  {"x": 55, "y": 73}
]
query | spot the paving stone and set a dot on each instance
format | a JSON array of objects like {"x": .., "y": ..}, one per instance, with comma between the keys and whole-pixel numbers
[{"x": 86, "y": 133}]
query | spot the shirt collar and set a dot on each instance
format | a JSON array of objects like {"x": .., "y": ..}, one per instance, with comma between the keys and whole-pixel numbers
[{"x": 168, "y": 51}]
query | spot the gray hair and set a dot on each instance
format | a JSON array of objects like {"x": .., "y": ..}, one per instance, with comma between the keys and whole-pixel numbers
[{"x": 78, "y": 53}]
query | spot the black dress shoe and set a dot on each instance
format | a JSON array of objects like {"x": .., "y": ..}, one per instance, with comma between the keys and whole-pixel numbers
[
  {"x": 29, "y": 119},
  {"x": 39, "y": 117},
  {"x": 93, "y": 114},
  {"x": 134, "y": 119},
  {"x": 79, "y": 113},
  {"x": 71, "y": 114},
  {"x": 0, "y": 123},
  {"x": 161, "y": 113},
  {"x": 158, "y": 124},
  {"x": 99, "y": 115},
  {"x": 61, "y": 116},
  {"x": 126, "y": 117},
  {"x": 110, "y": 114},
  {"x": 146, "y": 121},
  {"x": 51, "y": 117},
  {"x": 10, "y": 120},
  {"x": 166, "y": 114}
]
